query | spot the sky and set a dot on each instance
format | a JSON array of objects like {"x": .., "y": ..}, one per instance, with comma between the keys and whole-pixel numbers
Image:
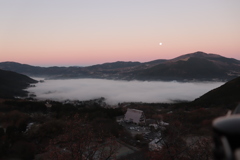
[
  {"x": 87, "y": 32},
  {"x": 121, "y": 91}
]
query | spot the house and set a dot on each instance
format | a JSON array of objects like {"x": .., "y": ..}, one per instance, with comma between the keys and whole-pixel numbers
[
  {"x": 48, "y": 105},
  {"x": 156, "y": 144},
  {"x": 163, "y": 123},
  {"x": 135, "y": 116},
  {"x": 119, "y": 119}
]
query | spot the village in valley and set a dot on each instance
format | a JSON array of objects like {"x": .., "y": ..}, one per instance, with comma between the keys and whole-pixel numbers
[
  {"x": 143, "y": 131},
  {"x": 33, "y": 129},
  {"x": 152, "y": 131},
  {"x": 130, "y": 130}
]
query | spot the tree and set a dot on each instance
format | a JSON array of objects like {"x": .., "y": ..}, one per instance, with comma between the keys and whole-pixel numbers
[
  {"x": 81, "y": 141},
  {"x": 178, "y": 143}
]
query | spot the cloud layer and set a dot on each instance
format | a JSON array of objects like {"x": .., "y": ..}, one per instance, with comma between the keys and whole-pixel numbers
[{"x": 121, "y": 91}]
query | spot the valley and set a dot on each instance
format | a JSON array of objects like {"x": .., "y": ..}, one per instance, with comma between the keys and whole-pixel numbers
[{"x": 36, "y": 125}]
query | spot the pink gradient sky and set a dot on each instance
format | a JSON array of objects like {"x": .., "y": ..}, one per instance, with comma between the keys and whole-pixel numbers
[{"x": 78, "y": 32}]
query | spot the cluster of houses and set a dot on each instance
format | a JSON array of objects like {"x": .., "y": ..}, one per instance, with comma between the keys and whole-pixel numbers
[
  {"x": 99, "y": 101},
  {"x": 140, "y": 125},
  {"x": 137, "y": 117}
]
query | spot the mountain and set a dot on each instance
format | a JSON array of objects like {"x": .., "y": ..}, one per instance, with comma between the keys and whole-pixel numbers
[
  {"x": 197, "y": 54},
  {"x": 115, "y": 65},
  {"x": 12, "y": 84},
  {"x": 227, "y": 95},
  {"x": 197, "y": 66}
]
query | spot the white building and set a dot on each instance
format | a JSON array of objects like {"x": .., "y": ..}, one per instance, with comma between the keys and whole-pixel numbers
[{"x": 135, "y": 116}]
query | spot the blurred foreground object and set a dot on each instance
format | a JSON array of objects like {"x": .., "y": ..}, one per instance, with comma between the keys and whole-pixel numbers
[{"x": 227, "y": 136}]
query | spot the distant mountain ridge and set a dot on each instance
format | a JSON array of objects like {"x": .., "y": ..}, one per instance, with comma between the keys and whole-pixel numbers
[
  {"x": 198, "y": 66},
  {"x": 12, "y": 84}
]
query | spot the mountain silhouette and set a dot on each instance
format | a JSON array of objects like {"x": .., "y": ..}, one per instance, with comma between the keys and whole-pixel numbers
[
  {"x": 12, "y": 84},
  {"x": 227, "y": 95},
  {"x": 197, "y": 66}
]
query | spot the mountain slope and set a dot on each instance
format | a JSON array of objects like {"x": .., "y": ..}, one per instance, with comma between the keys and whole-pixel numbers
[
  {"x": 193, "y": 68},
  {"x": 227, "y": 95},
  {"x": 197, "y": 54},
  {"x": 12, "y": 84},
  {"x": 115, "y": 65}
]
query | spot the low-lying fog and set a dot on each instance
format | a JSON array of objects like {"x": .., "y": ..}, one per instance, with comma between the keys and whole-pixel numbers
[{"x": 121, "y": 91}]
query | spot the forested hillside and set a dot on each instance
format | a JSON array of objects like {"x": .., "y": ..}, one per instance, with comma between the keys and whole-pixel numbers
[{"x": 12, "y": 84}]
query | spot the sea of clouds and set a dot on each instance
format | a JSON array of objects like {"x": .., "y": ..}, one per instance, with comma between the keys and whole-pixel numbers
[{"x": 121, "y": 91}]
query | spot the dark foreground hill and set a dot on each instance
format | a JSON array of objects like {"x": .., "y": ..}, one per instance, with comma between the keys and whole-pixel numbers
[
  {"x": 12, "y": 84},
  {"x": 227, "y": 95},
  {"x": 198, "y": 66}
]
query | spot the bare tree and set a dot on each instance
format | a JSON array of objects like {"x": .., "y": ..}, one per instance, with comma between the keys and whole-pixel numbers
[
  {"x": 178, "y": 144},
  {"x": 81, "y": 141}
]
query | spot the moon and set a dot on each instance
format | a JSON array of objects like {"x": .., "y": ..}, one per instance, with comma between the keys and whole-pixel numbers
[{"x": 160, "y": 43}]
